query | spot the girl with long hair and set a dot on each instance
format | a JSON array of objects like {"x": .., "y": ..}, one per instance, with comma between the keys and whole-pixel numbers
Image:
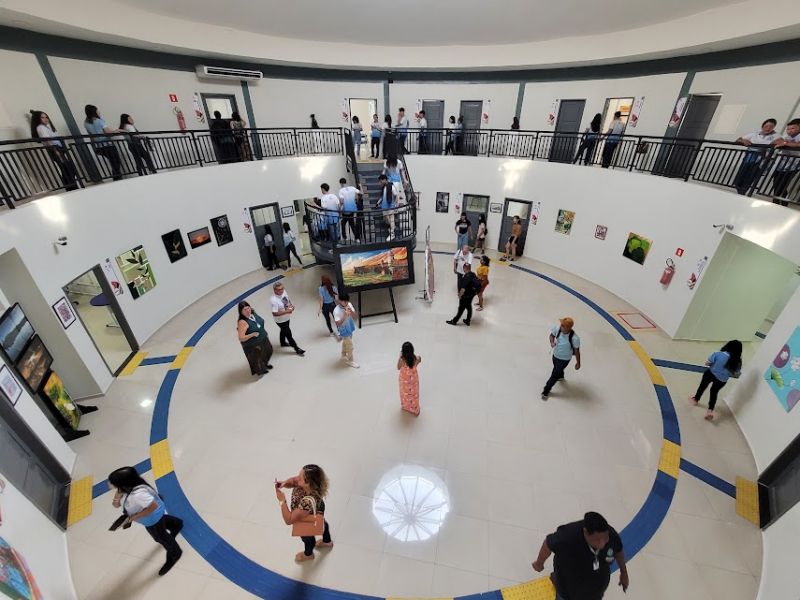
[
  {"x": 142, "y": 504},
  {"x": 254, "y": 339},
  {"x": 721, "y": 365},
  {"x": 96, "y": 127},
  {"x": 480, "y": 238},
  {"x": 483, "y": 274},
  {"x": 407, "y": 364},
  {"x": 327, "y": 302},
  {"x": 309, "y": 488},
  {"x": 385, "y": 129},
  {"x": 43, "y": 130},
  {"x": 137, "y": 146},
  {"x": 589, "y": 140}
]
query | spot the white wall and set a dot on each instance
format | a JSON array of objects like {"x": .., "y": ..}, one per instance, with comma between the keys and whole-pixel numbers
[
  {"x": 139, "y": 91},
  {"x": 24, "y": 89},
  {"x": 660, "y": 92},
  {"x": 289, "y": 102},
  {"x": 765, "y": 91},
  {"x": 503, "y": 98},
  {"x": 672, "y": 213},
  {"x": 39, "y": 541},
  {"x": 106, "y": 220}
]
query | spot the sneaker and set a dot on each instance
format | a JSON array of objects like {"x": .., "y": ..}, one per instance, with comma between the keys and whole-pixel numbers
[
  {"x": 353, "y": 364},
  {"x": 451, "y": 322},
  {"x": 479, "y": 308},
  {"x": 709, "y": 415},
  {"x": 693, "y": 401},
  {"x": 270, "y": 367},
  {"x": 545, "y": 396},
  {"x": 465, "y": 322},
  {"x": 169, "y": 564},
  {"x": 503, "y": 259},
  {"x": 300, "y": 351},
  {"x": 333, "y": 334}
]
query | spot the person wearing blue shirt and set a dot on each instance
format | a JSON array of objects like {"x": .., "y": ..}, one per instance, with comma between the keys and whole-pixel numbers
[
  {"x": 344, "y": 315},
  {"x": 722, "y": 365},
  {"x": 347, "y": 197},
  {"x": 565, "y": 343},
  {"x": 375, "y": 138},
  {"x": 327, "y": 302},
  {"x": 96, "y": 127}
]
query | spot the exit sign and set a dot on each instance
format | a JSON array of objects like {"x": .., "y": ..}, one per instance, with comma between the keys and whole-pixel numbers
[
  {"x": 173, "y": 97},
  {"x": 679, "y": 252}
]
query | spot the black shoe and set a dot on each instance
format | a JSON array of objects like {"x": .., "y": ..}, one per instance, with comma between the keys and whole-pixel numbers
[
  {"x": 169, "y": 564},
  {"x": 174, "y": 533},
  {"x": 544, "y": 396},
  {"x": 451, "y": 322},
  {"x": 270, "y": 367},
  {"x": 299, "y": 351},
  {"x": 465, "y": 322}
]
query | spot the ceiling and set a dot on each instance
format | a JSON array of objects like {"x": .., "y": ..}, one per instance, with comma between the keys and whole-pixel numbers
[{"x": 429, "y": 22}]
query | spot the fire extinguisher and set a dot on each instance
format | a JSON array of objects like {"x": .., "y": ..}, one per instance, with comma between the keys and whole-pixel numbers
[
  {"x": 181, "y": 119},
  {"x": 669, "y": 271}
]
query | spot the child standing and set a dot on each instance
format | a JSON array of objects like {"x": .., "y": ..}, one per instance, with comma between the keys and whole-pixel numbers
[
  {"x": 409, "y": 378},
  {"x": 483, "y": 275},
  {"x": 343, "y": 314}
]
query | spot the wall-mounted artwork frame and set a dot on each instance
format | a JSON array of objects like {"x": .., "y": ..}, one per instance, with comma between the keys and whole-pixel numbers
[
  {"x": 564, "y": 221},
  {"x": 15, "y": 331},
  {"x": 222, "y": 230},
  {"x": 637, "y": 247},
  {"x": 34, "y": 363},
  {"x": 136, "y": 271},
  {"x": 442, "y": 202},
  {"x": 287, "y": 211},
  {"x": 199, "y": 237},
  {"x": 495, "y": 207},
  {"x": 600, "y": 232},
  {"x": 64, "y": 312},
  {"x": 173, "y": 244},
  {"x": 9, "y": 386}
]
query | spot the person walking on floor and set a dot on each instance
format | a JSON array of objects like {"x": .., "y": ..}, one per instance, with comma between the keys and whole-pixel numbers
[
  {"x": 565, "y": 343},
  {"x": 467, "y": 288},
  {"x": 584, "y": 552},
  {"x": 511, "y": 244},
  {"x": 282, "y": 310},
  {"x": 327, "y": 302},
  {"x": 461, "y": 260},
  {"x": 142, "y": 504},
  {"x": 409, "y": 378},
  {"x": 269, "y": 248},
  {"x": 309, "y": 488},
  {"x": 254, "y": 339},
  {"x": 483, "y": 276},
  {"x": 589, "y": 140},
  {"x": 480, "y": 239},
  {"x": 138, "y": 146},
  {"x": 721, "y": 366},
  {"x": 289, "y": 239},
  {"x": 757, "y": 144},
  {"x": 375, "y": 137},
  {"x": 344, "y": 314},
  {"x": 463, "y": 229}
]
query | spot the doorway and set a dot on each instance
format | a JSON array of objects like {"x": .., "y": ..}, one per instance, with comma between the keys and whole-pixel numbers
[
  {"x": 267, "y": 217},
  {"x": 476, "y": 207},
  {"x": 434, "y": 114},
  {"x": 224, "y": 103},
  {"x": 700, "y": 109},
  {"x": 514, "y": 208},
  {"x": 363, "y": 108},
  {"x": 613, "y": 105},
  {"x": 570, "y": 115},
  {"x": 303, "y": 235},
  {"x": 98, "y": 309},
  {"x": 471, "y": 110}
]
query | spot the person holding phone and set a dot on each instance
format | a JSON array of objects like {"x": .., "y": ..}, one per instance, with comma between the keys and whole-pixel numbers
[{"x": 309, "y": 488}]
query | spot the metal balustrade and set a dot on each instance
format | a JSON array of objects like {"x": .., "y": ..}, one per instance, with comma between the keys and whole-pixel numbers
[{"x": 29, "y": 169}]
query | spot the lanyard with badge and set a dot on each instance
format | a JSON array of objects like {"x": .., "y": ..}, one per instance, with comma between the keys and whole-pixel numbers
[
  {"x": 253, "y": 319},
  {"x": 596, "y": 560}
]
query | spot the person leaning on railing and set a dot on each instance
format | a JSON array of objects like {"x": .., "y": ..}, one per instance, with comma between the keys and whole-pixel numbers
[
  {"x": 96, "y": 127},
  {"x": 138, "y": 146},
  {"x": 42, "y": 129},
  {"x": 788, "y": 162},
  {"x": 757, "y": 144}
]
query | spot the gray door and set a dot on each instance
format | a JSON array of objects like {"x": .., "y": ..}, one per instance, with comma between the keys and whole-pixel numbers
[
  {"x": 522, "y": 209},
  {"x": 471, "y": 110},
  {"x": 697, "y": 117},
  {"x": 434, "y": 113},
  {"x": 476, "y": 207},
  {"x": 267, "y": 216},
  {"x": 570, "y": 114}
]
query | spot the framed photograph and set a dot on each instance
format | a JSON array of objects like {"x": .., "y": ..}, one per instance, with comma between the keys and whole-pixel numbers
[
  {"x": 15, "y": 331},
  {"x": 600, "y": 232},
  {"x": 34, "y": 363},
  {"x": 442, "y": 202},
  {"x": 287, "y": 211},
  {"x": 636, "y": 248},
  {"x": 494, "y": 207},
  {"x": 136, "y": 271},
  {"x": 9, "y": 385},
  {"x": 55, "y": 393},
  {"x": 564, "y": 221},
  {"x": 64, "y": 312},
  {"x": 374, "y": 266},
  {"x": 199, "y": 237},
  {"x": 222, "y": 230},
  {"x": 173, "y": 244}
]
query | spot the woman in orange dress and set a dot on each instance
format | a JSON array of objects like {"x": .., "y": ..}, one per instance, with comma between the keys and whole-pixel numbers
[{"x": 409, "y": 379}]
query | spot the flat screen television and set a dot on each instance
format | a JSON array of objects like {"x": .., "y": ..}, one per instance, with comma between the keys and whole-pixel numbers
[
  {"x": 15, "y": 332},
  {"x": 373, "y": 266}
]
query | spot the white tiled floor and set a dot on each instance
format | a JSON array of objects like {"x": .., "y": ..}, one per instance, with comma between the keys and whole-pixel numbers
[{"x": 514, "y": 466}]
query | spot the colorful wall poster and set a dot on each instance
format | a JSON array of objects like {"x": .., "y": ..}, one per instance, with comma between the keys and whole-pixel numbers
[
  {"x": 633, "y": 117},
  {"x": 199, "y": 237},
  {"x": 56, "y": 393},
  {"x": 564, "y": 221},
  {"x": 600, "y": 232},
  {"x": 636, "y": 248},
  {"x": 222, "y": 230},
  {"x": 9, "y": 386},
  {"x": 16, "y": 580},
  {"x": 173, "y": 244},
  {"x": 34, "y": 363},
  {"x": 15, "y": 331},
  {"x": 136, "y": 271},
  {"x": 111, "y": 276},
  {"x": 247, "y": 222},
  {"x": 783, "y": 375}
]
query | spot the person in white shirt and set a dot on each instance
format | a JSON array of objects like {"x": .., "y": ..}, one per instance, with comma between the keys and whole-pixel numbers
[
  {"x": 137, "y": 146},
  {"x": 423, "y": 133},
  {"x": 348, "y": 199},
  {"x": 757, "y": 144},
  {"x": 462, "y": 257},
  {"x": 282, "y": 310},
  {"x": 450, "y": 148},
  {"x": 344, "y": 314},
  {"x": 42, "y": 129},
  {"x": 788, "y": 162},
  {"x": 402, "y": 128},
  {"x": 269, "y": 248},
  {"x": 613, "y": 137},
  {"x": 332, "y": 207},
  {"x": 289, "y": 239}
]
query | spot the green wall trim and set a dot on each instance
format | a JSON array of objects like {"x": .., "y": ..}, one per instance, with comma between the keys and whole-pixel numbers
[
  {"x": 58, "y": 94},
  {"x": 51, "y": 45}
]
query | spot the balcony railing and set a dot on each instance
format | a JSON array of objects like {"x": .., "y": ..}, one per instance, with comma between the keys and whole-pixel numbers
[{"x": 29, "y": 168}]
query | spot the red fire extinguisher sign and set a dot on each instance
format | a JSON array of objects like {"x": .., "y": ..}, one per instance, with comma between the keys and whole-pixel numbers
[
  {"x": 173, "y": 97},
  {"x": 679, "y": 252}
]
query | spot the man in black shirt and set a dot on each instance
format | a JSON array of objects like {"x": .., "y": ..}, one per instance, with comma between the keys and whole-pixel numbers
[
  {"x": 468, "y": 286},
  {"x": 584, "y": 551}
]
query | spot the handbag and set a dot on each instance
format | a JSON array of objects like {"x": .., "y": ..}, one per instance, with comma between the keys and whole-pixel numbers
[{"x": 310, "y": 525}]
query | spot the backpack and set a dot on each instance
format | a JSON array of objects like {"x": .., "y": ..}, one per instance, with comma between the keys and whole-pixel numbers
[{"x": 571, "y": 333}]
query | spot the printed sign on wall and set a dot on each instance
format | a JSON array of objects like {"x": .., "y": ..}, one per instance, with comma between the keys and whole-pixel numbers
[
  {"x": 633, "y": 118},
  {"x": 783, "y": 375},
  {"x": 111, "y": 275},
  {"x": 551, "y": 116}
]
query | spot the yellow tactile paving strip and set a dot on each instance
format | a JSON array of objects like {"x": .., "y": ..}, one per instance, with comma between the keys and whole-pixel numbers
[
  {"x": 133, "y": 364},
  {"x": 670, "y": 461},
  {"x": 539, "y": 589},
  {"x": 80, "y": 500},
  {"x": 180, "y": 359},
  {"x": 652, "y": 370},
  {"x": 747, "y": 500},
  {"x": 160, "y": 459}
]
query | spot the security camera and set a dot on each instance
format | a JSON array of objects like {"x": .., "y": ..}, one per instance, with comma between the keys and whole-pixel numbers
[{"x": 61, "y": 241}]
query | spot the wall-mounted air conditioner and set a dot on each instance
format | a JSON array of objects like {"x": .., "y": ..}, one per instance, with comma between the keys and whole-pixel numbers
[{"x": 207, "y": 72}]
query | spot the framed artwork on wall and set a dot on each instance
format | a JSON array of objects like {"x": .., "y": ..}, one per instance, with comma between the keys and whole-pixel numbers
[
  {"x": 199, "y": 237},
  {"x": 495, "y": 207},
  {"x": 564, "y": 221},
  {"x": 9, "y": 385},
  {"x": 287, "y": 211},
  {"x": 64, "y": 312},
  {"x": 636, "y": 248},
  {"x": 15, "y": 331},
  {"x": 173, "y": 244},
  {"x": 442, "y": 202},
  {"x": 136, "y": 271},
  {"x": 600, "y": 232},
  {"x": 34, "y": 363},
  {"x": 222, "y": 230}
]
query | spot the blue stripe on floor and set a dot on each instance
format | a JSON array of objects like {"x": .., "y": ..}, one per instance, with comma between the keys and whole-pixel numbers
[
  {"x": 671, "y": 364},
  {"x": 156, "y": 360},
  {"x": 98, "y": 489},
  {"x": 647, "y": 521},
  {"x": 668, "y": 416},
  {"x": 709, "y": 478}
]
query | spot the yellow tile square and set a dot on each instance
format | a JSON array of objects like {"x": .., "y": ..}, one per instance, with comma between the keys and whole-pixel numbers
[
  {"x": 747, "y": 500},
  {"x": 180, "y": 359},
  {"x": 670, "y": 461},
  {"x": 160, "y": 459},
  {"x": 80, "y": 500},
  {"x": 133, "y": 364},
  {"x": 538, "y": 589}
]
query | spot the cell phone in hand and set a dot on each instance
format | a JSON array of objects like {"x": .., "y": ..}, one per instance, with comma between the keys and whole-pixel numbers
[{"x": 119, "y": 521}]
